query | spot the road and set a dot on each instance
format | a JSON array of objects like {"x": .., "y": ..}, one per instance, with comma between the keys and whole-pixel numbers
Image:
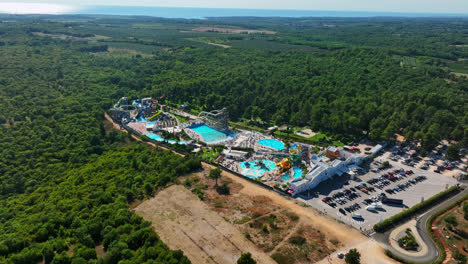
[{"x": 433, "y": 251}]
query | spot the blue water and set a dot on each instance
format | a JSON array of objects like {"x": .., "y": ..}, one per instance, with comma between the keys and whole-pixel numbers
[
  {"x": 297, "y": 174},
  {"x": 160, "y": 139},
  {"x": 200, "y": 13},
  {"x": 141, "y": 119},
  {"x": 155, "y": 137},
  {"x": 151, "y": 123},
  {"x": 273, "y": 143},
  {"x": 209, "y": 134},
  {"x": 255, "y": 171}
]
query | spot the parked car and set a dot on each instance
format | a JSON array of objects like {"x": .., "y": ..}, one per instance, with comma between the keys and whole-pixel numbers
[
  {"x": 342, "y": 211},
  {"x": 356, "y": 216}
]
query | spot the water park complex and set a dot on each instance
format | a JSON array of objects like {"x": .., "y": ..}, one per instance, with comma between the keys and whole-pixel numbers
[{"x": 289, "y": 167}]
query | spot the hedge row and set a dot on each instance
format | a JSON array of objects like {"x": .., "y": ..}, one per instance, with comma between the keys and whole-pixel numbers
[
  {"x": 389, "y": 222},
  {"x": 431, "y": 219}
]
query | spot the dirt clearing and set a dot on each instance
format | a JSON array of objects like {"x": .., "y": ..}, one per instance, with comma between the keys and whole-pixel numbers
[{"x": 184, "y": 222}]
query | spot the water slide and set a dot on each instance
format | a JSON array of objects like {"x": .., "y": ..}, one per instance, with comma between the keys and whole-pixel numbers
[{"x": 155, "y": 115}]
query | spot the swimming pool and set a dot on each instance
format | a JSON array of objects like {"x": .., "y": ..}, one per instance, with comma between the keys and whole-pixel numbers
[
  {"x": 160, "y": 139},
  {"x": 151, "y": 123},
  {"x": 272, "y": 143},
  {"x": 155, "y": 137},
  {"x": 297, "y": 174},
  {"x": 252, "y": 170},
  {"x": 209, "y": 134}
]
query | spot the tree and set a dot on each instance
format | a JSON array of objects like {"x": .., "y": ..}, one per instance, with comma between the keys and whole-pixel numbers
[
  {"x": 215, "y": 174},
  {"x": 353, "y": 257},
  {"x": 453, "y": 152},
  {"x": 451, "y": 221},
  {"x": 246, "y": 258}
]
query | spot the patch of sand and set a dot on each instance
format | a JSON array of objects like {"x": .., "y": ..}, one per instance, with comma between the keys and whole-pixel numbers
[
  {"x": 371, "y": 253},
  {"x": 306, "y": 133},
  {"x": 184, "y": 222}
]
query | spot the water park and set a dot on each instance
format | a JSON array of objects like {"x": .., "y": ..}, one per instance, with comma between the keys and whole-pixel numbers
[{"x": 288, "y": 166}]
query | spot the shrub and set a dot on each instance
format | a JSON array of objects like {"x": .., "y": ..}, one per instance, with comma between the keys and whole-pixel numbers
[
  {"x": 297, "y": 240},
  {"x": 353, "y": 257},
  {"x": 223, "y": 189}
]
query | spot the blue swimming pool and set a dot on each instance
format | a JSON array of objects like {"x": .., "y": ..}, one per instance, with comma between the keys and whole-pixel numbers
[
  {"x": 252, "y": 169},
  {"x": 155, "y": 137},
  {"x": 151, "y": 123},
  {"x": 272, "y": 143},
  {"x": 209, "y": 134},
  {"x": 297, "y": 174},
  {"x": 160, "y": 139}
]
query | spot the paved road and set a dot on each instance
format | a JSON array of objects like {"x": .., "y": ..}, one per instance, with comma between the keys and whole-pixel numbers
[{"x": 433, "y": 250}]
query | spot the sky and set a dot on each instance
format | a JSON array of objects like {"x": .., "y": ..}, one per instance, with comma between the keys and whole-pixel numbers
[{"x": 410, "y": 6}]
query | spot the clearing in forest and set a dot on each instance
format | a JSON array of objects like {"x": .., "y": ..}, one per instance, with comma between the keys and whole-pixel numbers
[{"x": 184, "y": 222}]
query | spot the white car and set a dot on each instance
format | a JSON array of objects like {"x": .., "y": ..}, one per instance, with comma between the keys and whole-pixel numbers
[{"x": 357, "y": 216}]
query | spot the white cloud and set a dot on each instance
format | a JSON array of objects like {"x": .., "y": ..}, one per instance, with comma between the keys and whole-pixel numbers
[
  {"x": 417, "y": 6},
  {"x": 35, "y": 8}
]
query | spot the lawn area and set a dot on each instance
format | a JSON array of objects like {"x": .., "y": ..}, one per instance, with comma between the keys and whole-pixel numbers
[
  {"x": 209, "y": 154},
  {"x": 320, "y": 138},
  {"x": 181, "y": 118}
]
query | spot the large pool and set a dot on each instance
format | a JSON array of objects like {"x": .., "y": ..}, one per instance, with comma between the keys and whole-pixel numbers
[
  {"x": 272, "y": 143},
  {"x": 209, "y": 134},
  {"x": 297, "y": 174},
  {"x": 252, "y": 170},
  {"x": 160, "y": 139}
]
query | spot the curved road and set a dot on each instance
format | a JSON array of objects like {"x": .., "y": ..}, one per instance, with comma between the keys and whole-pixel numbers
[{"x": 433, "y": 250}]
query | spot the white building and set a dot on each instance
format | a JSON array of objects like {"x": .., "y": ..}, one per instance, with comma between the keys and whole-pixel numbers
[
  {"x": 323, "y": 169},
  {"x": 234, "y": 154}
]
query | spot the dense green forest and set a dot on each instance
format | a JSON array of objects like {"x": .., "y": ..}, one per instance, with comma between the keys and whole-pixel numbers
[{"x": 66, "y": 182}]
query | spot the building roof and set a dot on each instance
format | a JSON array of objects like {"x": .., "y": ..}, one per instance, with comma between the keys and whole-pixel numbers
[
  {"x": 316, "y": 170},
  {"x": 335, "y": 163},
  {"x": 332, "y": 148},
  {"x": 376, "y": 148}
]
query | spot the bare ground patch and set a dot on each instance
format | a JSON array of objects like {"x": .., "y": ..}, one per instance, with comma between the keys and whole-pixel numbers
[
  {"x": 268, "y": 225},
  {"x": 184, "y": 222}
]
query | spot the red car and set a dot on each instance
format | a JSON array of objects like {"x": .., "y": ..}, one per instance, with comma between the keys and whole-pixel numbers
[{"x": 390, "y": 173}]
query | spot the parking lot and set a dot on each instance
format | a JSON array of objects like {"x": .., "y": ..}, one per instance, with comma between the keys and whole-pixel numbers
[{"x": 398, "y": 181}]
